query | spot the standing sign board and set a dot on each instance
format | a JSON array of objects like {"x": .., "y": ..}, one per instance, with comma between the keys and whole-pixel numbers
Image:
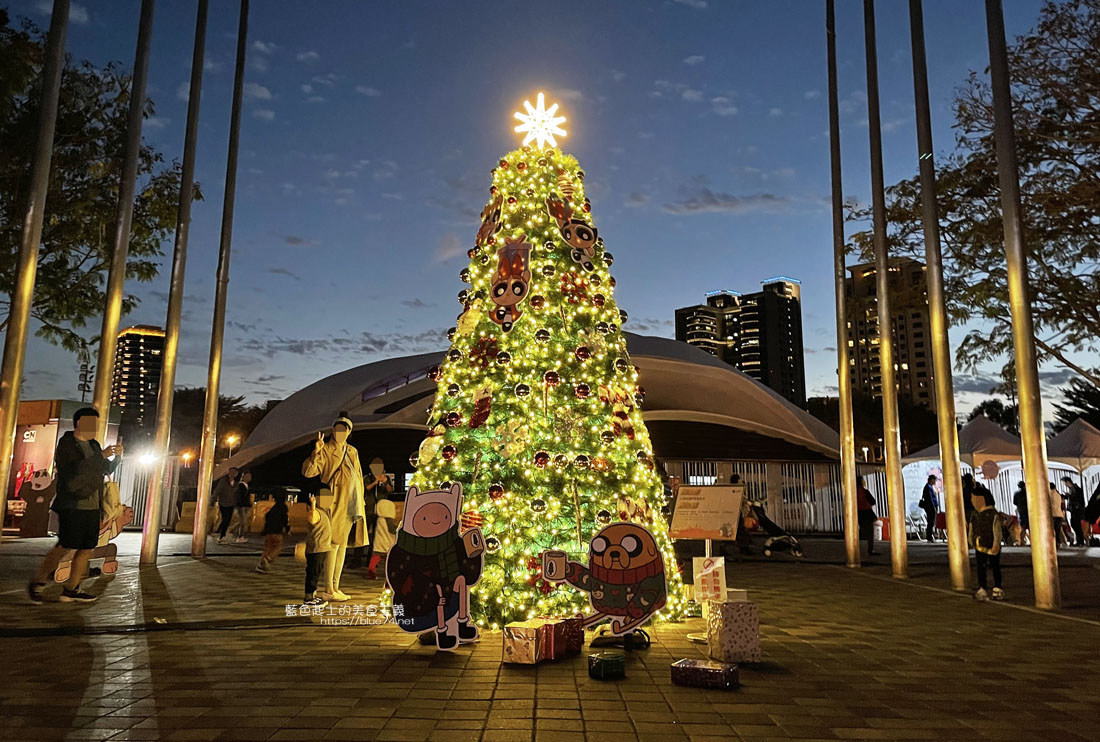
[{"x": 707, "y": 512}]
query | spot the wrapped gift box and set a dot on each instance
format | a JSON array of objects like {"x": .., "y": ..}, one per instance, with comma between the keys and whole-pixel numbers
[
  {"x": 733, "y": 631},
  {"x": 607, "y": 665},
  {"x": 562, "y": 636},
  {"x": 523, "y": 642},
  {"x": 704, "y": 674}
]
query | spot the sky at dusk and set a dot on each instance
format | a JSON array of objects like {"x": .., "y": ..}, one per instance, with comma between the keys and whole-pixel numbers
[{"x": 370, "y": 128}]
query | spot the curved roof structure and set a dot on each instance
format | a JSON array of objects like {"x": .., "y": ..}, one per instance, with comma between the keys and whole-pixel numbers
[{"x": 692, "y": 400}]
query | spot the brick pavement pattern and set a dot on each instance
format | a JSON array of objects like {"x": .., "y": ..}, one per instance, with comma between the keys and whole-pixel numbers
[{"x": 846, "y": 656}]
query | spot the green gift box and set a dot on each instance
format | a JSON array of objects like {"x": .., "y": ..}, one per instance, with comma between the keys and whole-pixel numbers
[{"x": 607, "y": 665}]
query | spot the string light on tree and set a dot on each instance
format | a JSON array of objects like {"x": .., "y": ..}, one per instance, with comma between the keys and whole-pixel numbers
[
  {"x": 540, "y": 123},
  {"x": 537, "y": 409}
]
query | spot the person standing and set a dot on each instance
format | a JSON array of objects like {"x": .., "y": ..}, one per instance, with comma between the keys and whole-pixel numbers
[
  {"x": 1057, "y": 515},
  {"x": 985, "y": 535},
  {"x": 930, "y": 504},
  {"x": 82, "y": 467},
  {"x": 317, "y": 547},
  {"x": 276, "y": 526},
  {"x": 1019, "y": 501},
  {"x": 225, "y": 497},
  {"x": 336, "y": 463},
  {"x": 1075, "y": 506},
  {"x": 969, "y": 486},
  {"x": 865, "y": 510},
  {"x": 243, "y": 506},
  {"x": 376, "y": 490},
  {"x": 385, "y": 535},
  {"x": 1091, "y": 514}
]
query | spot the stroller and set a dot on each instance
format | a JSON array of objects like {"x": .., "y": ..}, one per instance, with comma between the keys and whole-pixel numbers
[{"x": 778, "y": 540}]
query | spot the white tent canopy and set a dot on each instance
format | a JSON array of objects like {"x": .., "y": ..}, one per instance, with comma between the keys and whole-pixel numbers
[
  {"x": 980, "y": 440},
  {"x": 1078, "y": 445}
]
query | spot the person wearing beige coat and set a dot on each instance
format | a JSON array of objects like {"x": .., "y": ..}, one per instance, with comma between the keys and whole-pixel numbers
[{"x": 336, "y": 463}]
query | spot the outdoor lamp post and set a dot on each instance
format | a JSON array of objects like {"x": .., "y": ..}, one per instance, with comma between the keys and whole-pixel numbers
[{"x": 231, "y": 440}]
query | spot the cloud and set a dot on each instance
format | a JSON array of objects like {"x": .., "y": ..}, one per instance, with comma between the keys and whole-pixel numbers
[
  {"x": 636, "y": 199},
  {"x": 316, "y": 99},
  {"x": 569, "y": 94},
  {"x": 811, "y": 94},
  {"x": 450, "y": 246},
  {"x": 694, "y": 59},
  {"x": 773, "y": 111},
  {"x": 368, "y": 91},
  {"x": 650, "y": 324},
  {"x": 328, "y": 79},
  {"x": 308, "y": 57},
  {"x": 157, "y": 122},
  {"x": 366, "y": 342},
  {"x": 415, "y": 303},
  {"x": 255, "y": 91},
  {"x": 260, "y": 64},
  {"x": 617, "y": 76},
  {"x": 77, "y": 13},
  {"x": 1056, "y": 378},
  {"x": 697, "y": 198},
  {"x": 297, "y": 241},
  {"x": 264, "y": 47},
  {"x": 691, "y": 95},
  {"x": 697, "y": 4},
  {"x": 264, "y": 114},
  {"x": 978, "y": 383},
  {"x": 723, "y": 106},
  {"x": 284, "y": 272},
  {"x": 183, "y": 91},
  {"x": 385, "y": 171}
]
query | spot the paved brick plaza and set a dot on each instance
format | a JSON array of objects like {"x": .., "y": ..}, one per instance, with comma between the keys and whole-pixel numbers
[{"x": 848, "y": 655}]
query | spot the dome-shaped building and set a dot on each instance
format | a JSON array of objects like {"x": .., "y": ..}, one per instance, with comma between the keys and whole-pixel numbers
[{"x": 706, "y": 420}]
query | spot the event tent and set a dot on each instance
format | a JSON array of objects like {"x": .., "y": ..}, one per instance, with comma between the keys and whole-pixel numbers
[
  {"x": 980, "y": 440},
  {"x": 1078, "y": 446}
]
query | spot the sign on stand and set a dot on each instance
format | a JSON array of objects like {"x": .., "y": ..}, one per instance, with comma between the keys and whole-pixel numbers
[
  {"x": 709, "y": 513},
  {"x": 710, "y": 578}
]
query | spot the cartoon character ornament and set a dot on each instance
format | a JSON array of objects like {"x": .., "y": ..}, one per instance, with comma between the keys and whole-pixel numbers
[
  {"x": 490, "y": 220},
  {"x": 511, "y": 281},
  {"x": 577, "y": 233},
  {"x": 432, "y": 567},
  {"x": 624, "y": 578}
]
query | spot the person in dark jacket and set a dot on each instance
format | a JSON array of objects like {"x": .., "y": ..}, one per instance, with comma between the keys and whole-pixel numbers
[
  {"x": 1019, "y": 501},
  {"x": 243, "y": 506},
  {"x": 1091, "y": 514},
  {"x": 969, "y": 485},
  {"x": 82, "y": 466},
  {"x": 865, "y": 510},
  {"x": 1075, "y": 510},
  {"x": 985, "y": 533},
  {"x": 930, "y": 504},
  {"x": 225, "y": 497},
  {"x": 276, "y": 526}
]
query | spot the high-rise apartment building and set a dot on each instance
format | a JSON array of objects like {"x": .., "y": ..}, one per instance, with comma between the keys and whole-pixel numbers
[
  {"x": 909, "y": 325},
  {"x": 138, "y": 362},
  {"x": 759, "y": 333}
]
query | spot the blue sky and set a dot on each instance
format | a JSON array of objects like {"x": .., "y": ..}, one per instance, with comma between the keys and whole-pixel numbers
[{"x": 370, "y": 128}]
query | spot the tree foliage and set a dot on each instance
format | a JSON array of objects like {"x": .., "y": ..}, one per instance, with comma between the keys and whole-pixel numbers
[
  {"x": 1005, "y": 415},
  {"x": 81, "y": 204},
  {"x": 918, "y": 424},
  {"x": 1079, "y": 399},
  {"x": 188, "y": 408},
  {"x": 1056, "y": 105}
]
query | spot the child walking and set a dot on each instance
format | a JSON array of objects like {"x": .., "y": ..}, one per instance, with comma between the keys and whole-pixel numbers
[
  {"x": 276, "y": 526},
  {"x": 318, "y": 545},
  {"x": 985, "y": 533}
]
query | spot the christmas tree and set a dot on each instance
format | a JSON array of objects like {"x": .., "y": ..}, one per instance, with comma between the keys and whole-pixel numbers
[{"x": 537, "y": 414}]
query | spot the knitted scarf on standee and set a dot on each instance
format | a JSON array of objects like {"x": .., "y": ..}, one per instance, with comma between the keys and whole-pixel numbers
[{"x": 442, "y": 547}]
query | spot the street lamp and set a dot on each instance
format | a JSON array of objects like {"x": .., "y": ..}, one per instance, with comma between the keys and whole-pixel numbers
[
  {"x": 187, "y": 456},
  {"x": 231, "y": 440}
]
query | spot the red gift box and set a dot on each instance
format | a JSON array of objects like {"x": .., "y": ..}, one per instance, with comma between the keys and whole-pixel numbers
[{"x": 563, "y": 636}]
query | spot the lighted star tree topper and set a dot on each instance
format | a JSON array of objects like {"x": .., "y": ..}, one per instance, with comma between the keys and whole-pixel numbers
[{"x": 537, "y": 413}]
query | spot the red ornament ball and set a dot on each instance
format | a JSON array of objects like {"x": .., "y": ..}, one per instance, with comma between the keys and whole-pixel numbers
[
  {"x": 453, "y": 419},
  {"x": 496, "y": 491},
  {"x": 471, "y": 253},
  {"x": 587, "y": 205},
  {"x": 598, "y": 300},
  {"x": 504, "y": 164},
  {"x": 552, "y": 378},
  {"x": 612, "y": 281},
  {"x": 583, "y": 353},
  {"x": 449, "y": 452},
  {"x": 521, "y": 166},
  {"x": 434, "y": 373},
  {"x": 511, "y": 199},
  {"x": 542, "y": 162},
  {"x": 582, "y": 391},
  {"x": 538, "y": 301},
  {"x": 492, "y": 189},
  {"x": 542, "y": 459}
]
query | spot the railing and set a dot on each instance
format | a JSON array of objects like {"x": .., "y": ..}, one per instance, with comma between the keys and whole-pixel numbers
[{"x": 133, "y": 475}]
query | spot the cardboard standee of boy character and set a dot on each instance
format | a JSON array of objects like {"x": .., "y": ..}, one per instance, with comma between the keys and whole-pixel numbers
[
  {"x": 624, "y": 579},
  {"x": 432, "y": 567}
]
